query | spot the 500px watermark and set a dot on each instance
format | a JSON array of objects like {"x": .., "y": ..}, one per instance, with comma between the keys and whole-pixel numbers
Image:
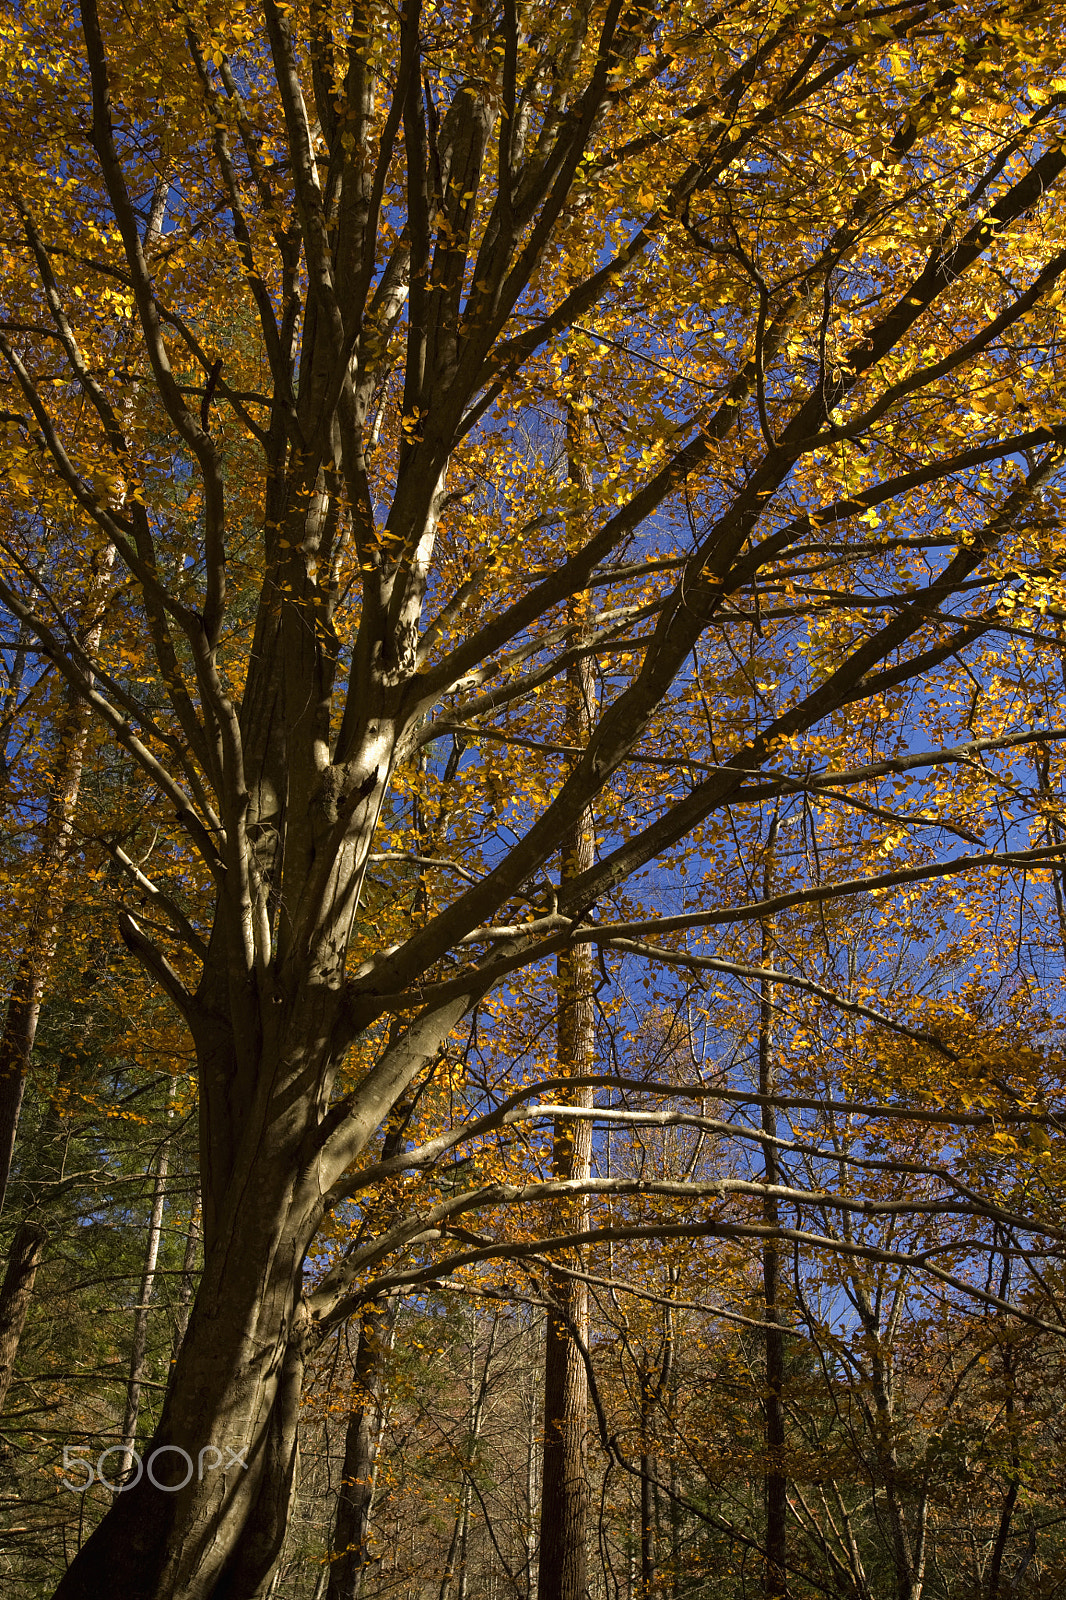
[{"x": 74, "y": 1455}]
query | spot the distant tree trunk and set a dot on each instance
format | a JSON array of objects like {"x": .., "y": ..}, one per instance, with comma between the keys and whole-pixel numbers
[
  {"x": 649, "y": 1552},
  {"x": 532, "y": 1485},
  {"x": 362, "y": 1442},
  {"x": 24, "y": 1258},
  {"x": 1013, "y": 1475},
  {"x": 366, "y": 1420},
  {"x": 139, "y": 1346},
  {"x": 456, "y": 1578},
  {"x": 655, "y": 1383},
  {"x": 1006, "y": 1517},
  {"x": 908, "y": 1553},
  {"x": 50, "y": 866},
  {"x": 564, "y": 1483},
  {"x": 564, "y": 1476},
  {"x": 677, "y": 1578},
  {"x": 775, "y": 1483},
  {"x": 187, "y": 1282}
]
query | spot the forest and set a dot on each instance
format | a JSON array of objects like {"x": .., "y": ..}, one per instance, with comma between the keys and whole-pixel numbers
[{"x": 532, "y": 800}]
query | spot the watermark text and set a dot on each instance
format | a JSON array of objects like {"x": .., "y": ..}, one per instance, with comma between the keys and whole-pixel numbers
[{"x": 209, "y": 1459}]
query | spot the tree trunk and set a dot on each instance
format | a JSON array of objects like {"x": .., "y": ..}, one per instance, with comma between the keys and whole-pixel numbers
[
  {"x": 24, "y": 1258},
  {"x": 229, "y": 1423},
  {"x": 185, "y": 1290},
  {"x": 564, "y": 1483},
  {"x": 366, "y": 1421},
  {"x": 455, "y": 1569},
  {"x": 532, "y": 1482},
  {"x": 207, "y": 1518},
  {"x": 564, "y": 1477},
  {"x": 649, "y": 1509},
  {"x": 362, "y": 1442},
  {"x": 653, "y": 1387},
  {"x": 676, "y": 1576},
  {"x": 1013, "y": 1475},
  {"x": 140, "y": 1318},
  {"x": 908, "y": 1556},
  {"x": 775, "y": 1483}
]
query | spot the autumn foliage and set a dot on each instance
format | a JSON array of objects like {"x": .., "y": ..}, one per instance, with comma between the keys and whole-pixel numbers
[{"x": 543, "y": 528}]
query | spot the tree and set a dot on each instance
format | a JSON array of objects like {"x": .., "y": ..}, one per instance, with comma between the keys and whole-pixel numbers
[
  {"x": 804, "y": 264},
  {"x": 564, "y": 1476}
]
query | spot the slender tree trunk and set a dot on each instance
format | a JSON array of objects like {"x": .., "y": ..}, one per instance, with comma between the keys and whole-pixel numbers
[
  {"x": 30, "y": 1238},
  {"x": 366, "y": 1422},
  {"x": 23, "y": 1259},
  {"x": 564, "y": 1483},
  {"x": 907, "y": 1556},
  {"x": 451, "y": 1560},
  {"x": 1013, "y": 1476},
  {"x": 532, "y": 1455},
  {"x": 649, "y": 1551},
  {"x": 187, "y": 1281},
  {"x": 676, "y": 1577},
  {"x": 464, "y": 1543},
  {"x": 362, "y": 1442},
  {"x": 654, "y": 1385},
  {"x": 775, "y": 1483},
  {"x": 455, "y": 1570},
  {"x": 564, "y": 1476},
  {"x": 50, "y": 867},
  {"x": 139, "y": 1346}
]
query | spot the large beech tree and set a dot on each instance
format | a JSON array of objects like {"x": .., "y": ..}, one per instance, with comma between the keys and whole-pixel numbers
[{"x": 297, "y": 300}]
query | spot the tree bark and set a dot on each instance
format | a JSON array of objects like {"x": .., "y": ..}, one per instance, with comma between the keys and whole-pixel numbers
[
  {"x": 23, "y": 1259},
  {"x": 564, "y": 1476},
  {"x": 775, "y": 1483},
  {"x": 564, "y": 1481},
  {"x": 232, "y": 1408},
  {"x": 649, "y": 1499}
]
